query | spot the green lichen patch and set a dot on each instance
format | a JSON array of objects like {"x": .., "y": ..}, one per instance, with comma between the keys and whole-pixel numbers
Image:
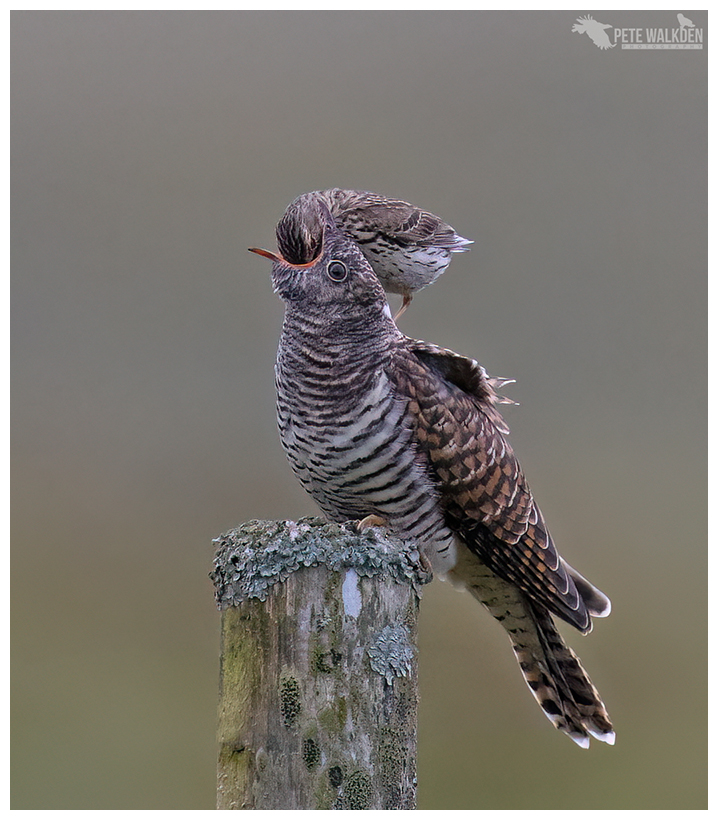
[
  {"x": 324, "y": 795},
  {"x": 320, "y": 664},
  {"x": 333, "y": 718},
  {"x": 289, "y": 701},
  {"x": 357, "y": 791},
  {"x": 392, "y": 756},
  {"x": 325, "y": 662},
  {"x": 311, "y": 753}
]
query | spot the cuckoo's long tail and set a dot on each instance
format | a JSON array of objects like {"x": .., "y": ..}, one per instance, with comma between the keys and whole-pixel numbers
[
  {"x": 558, "y": 681},
  {"x": 552, "y": 671}
]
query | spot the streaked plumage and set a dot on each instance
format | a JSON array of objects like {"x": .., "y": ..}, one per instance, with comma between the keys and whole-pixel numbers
[
  {"x": 407, "y": 247},
  {"x": 375, "y": 423}
]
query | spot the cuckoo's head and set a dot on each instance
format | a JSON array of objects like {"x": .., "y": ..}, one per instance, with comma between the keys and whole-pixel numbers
[{"x": 319, "y": 267}]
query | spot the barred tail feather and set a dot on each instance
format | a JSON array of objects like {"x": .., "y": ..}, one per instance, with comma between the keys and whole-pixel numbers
[
  {"x": 559, "y": 683},
  {"x": 552, "y": 671}
]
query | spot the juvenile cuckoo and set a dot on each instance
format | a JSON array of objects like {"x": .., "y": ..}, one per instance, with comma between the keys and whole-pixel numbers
[{"x": 377, "y": 425}]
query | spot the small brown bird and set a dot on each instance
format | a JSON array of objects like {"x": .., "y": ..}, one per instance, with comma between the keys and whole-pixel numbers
[
  {"x": 377, "y": 425},
  {"x": 407, "y": 247}
]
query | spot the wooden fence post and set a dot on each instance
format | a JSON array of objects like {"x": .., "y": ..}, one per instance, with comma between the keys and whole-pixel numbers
[{"x": 319, "y": 670}]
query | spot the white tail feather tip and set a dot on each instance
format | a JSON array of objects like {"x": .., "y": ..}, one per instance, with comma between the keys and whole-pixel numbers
[{"x": 606, "y": 737}]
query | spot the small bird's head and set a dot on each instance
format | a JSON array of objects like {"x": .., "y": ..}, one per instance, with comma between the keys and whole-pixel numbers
[{"x": 319, "y": 267}]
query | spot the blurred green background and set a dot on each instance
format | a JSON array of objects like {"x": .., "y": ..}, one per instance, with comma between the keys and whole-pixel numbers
[{"x": 149, "y": 151}]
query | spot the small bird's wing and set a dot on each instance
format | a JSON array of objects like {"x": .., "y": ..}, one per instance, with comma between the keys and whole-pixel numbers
[
  {"x": 401, "y": 221},
  {"x": 482, "y": 487}
]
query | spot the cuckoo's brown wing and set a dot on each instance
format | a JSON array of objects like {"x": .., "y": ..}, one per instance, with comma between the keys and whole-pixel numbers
[{"x": 484, "y": 492}]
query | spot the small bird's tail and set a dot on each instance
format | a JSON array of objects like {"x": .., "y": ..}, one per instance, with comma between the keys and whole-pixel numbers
[{"x": 552, "y": 671}]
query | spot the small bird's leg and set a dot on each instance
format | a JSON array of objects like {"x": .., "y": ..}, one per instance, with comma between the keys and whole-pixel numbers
[
  {"x": 370, "y": 521},
  {"x": 404, "y": 305}
]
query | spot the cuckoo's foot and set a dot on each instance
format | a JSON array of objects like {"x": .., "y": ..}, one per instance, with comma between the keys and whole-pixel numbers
[{"x": 370, "y": 521}]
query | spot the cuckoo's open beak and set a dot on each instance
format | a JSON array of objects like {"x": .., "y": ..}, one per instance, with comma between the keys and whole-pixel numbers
[
  {"x": 268, "y": 254},
  {"x": 275, "y": 257}
]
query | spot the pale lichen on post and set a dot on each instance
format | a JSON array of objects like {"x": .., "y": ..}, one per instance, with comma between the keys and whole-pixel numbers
[
  {"x": 252, "y": 558},
  {"x": 392, "y": 652},
  {"x": 319, "y": 668}
]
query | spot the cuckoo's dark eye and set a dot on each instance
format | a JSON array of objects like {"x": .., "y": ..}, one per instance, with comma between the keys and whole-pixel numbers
[{"x": 337, "y": 270}]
